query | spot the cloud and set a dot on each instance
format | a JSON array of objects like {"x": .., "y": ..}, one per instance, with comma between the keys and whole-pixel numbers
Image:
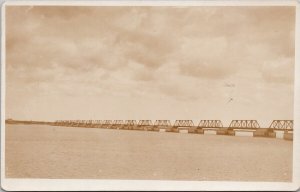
[
  {"x": 159, "y": 54},
  {"x": 200, "y": 57},
  {"x": 280, "y": 71}
]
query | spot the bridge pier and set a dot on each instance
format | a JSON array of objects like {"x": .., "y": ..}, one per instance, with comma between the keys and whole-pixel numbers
[
  {"x": 236, "y": 127},
  {"x": 180, "y": 125},
  {"x": 161, "y": 125},
  {"x": 130, "y": 125},
  {"x": 106, "y": 124},
  {"x": 117, "y": 124},
  {"x": 192, "y": 130},
  {"x": 145, "y": 125},
  {"x": 172, "y": 129},
  {"x": 209, "y": 125},
  {"x": 283, "y": 128},
  {"x": 288, "y": 136},
  {"x": 264, "y": 132},
  {"x": 160, "y": 129},
  {"x": 222, "y": 131}
]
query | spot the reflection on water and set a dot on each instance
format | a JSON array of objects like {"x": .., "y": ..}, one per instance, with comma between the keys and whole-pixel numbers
[
  {"x": 279, "y": 134},
  {"x": 244, "y": 133},
  {"x": 210, "y": 132},
  {"x": 183, "y": 131}
]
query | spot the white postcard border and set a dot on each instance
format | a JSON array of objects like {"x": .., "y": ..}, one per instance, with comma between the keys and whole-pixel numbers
[{"x": 112, "y": 185}]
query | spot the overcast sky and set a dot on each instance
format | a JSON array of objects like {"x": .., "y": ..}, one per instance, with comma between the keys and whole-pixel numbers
[{"x": 150, "y": 63}]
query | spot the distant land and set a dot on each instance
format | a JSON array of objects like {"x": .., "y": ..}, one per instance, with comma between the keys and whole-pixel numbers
[{"x": 13, "y": 121}]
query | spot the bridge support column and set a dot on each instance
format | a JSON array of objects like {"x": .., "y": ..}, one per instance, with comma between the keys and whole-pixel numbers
[
  {"x": 222, "y": 131},
  {"x": 288, "y": 136}
]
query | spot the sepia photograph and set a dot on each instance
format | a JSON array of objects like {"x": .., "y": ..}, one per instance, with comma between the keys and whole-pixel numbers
[{"x": 148, "y": 93}]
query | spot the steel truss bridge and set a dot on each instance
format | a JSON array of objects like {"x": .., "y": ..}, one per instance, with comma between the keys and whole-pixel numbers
[
  {"x": 283, "y": 125},
  {"x": 188, "y": 125}
]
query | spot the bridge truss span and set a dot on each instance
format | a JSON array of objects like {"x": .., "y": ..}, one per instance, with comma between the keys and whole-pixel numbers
[
  {"x": 244, "y": 124},
  {"x": 210, "y": 124},
  {"x": 282, "y": 125}
]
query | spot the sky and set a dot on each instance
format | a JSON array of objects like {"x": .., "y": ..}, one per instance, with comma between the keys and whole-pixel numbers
[{"x": 150, "y": 63}]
